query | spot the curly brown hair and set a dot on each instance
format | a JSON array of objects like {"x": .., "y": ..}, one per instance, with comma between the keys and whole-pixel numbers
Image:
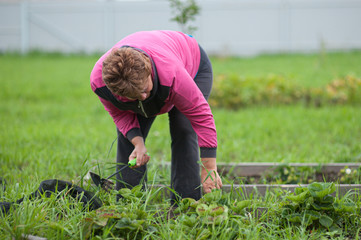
[{"x": 125, "y": 71}]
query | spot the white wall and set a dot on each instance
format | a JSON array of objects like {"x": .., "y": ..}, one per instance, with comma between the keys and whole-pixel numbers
[{"x": 225, "y": 27}]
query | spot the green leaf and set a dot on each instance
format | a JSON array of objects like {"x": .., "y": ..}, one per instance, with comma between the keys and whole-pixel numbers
[
  {"x": 309, "y": 202},
  {"x": 58, "y": 226},
  {"x": 125, "y": 191},
  {"x": 286, "y": 212},
  {"x": 216, "y": 194},
  {"x": 202, "y": 209},
  {"x": 289, "y": 206},
  {"x": 349, "y": 207},
  {"x": 315, "y": 187},
  {"x": 184, "y": 204},
  {"x": 217, "y": 210},
  {"x": 137, "y": 191},
  {"x": 328, "y": 199},
  {"x": 219, "y": 219},
  {"x": 151, "y": 229},
  {"x": 344, "y": 207},
  {"x": 300, "y": 197},
  {"x": 102, "y": 222},
  {"x": 326, "y": 221},
  {"x": 295, "y": 218},
  {"x": 138, "y": 224},
  {"x": 326, "y": 206},
  {"x": 334, "y": 229},
  {"x": 125, "y": 224},
  {"x": 239, "y": 206},
  {"x": 187, "y": 201},
  {"x": 320, "y": 190},
  {"x": 337, "y": 206},
  {"x": 194, "y": 204},
  {"x": 189, "y": 221},
  {"x": 204, "y": 234},
  {"x": 322, "y": 206},
  {"x": 141, "y": 214},
  {"x": 316, "y": 206},
  {"x": 313, "y": 215},
  {"x": 300, "y": 190}
]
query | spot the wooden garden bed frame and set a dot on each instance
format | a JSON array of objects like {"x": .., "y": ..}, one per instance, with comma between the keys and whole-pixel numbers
[{"x": 257, "y": 169}]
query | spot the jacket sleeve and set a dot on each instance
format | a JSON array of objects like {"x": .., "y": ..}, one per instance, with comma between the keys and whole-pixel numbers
[
  {"x": 126, "y": 121},
  {"x": 188, "y": 99}
]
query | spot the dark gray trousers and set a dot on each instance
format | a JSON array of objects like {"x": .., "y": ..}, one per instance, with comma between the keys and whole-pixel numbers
[{"x": 185, "y": 169}]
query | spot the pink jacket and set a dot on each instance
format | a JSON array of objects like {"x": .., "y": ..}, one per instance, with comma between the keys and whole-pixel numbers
[{"x": 176, "y": 57}]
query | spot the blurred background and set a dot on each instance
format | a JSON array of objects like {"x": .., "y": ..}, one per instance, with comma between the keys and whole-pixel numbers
[
  {"x": 287, "y": 84},
  {"x": 224, "y": 28}
]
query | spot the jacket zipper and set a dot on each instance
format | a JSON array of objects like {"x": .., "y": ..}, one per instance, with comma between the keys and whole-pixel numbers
[{"x": 140, "y": 105}]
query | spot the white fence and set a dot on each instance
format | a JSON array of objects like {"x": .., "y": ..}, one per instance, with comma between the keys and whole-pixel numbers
[{"x": 225, "y": 27}]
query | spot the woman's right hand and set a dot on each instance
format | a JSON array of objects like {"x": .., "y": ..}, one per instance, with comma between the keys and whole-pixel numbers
[
  {"x": 139, "y": 152},
  {"x": 209, "y": 175}
]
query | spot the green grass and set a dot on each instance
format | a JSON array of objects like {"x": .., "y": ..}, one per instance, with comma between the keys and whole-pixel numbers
[
  {"x": 53, "y": 126},
  {"x": 290, "y": 134},
  {"x": 52, "y": 122}
]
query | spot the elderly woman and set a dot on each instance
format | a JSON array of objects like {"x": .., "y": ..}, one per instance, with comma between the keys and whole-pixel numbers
[{"x": 154, "y": 72}]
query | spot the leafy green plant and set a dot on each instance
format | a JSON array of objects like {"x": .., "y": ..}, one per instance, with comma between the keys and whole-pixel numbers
[
  {"x": 315, "y": 207},
  {"x": 128, "y": 219},
  {"x": 120, "y": 221}
]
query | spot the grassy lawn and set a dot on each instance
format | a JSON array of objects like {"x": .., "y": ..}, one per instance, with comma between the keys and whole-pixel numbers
[
  {"x": 52, "y": 122},
  {"x": 53, "y": 126}
]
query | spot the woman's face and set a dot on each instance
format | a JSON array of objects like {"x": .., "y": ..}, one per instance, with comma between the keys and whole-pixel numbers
[
  {"x": 145, "y": 93},
  {"x": 147, "y": 89}
]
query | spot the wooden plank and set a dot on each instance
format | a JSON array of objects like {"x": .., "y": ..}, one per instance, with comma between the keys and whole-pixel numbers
[{"x": 257, "y": 169}]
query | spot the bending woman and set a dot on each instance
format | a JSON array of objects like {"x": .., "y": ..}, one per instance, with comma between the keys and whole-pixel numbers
[{"x": 155, "y": 72}]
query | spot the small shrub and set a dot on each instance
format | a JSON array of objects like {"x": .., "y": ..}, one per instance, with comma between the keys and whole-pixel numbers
[{"x": 234, "y": 92}]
